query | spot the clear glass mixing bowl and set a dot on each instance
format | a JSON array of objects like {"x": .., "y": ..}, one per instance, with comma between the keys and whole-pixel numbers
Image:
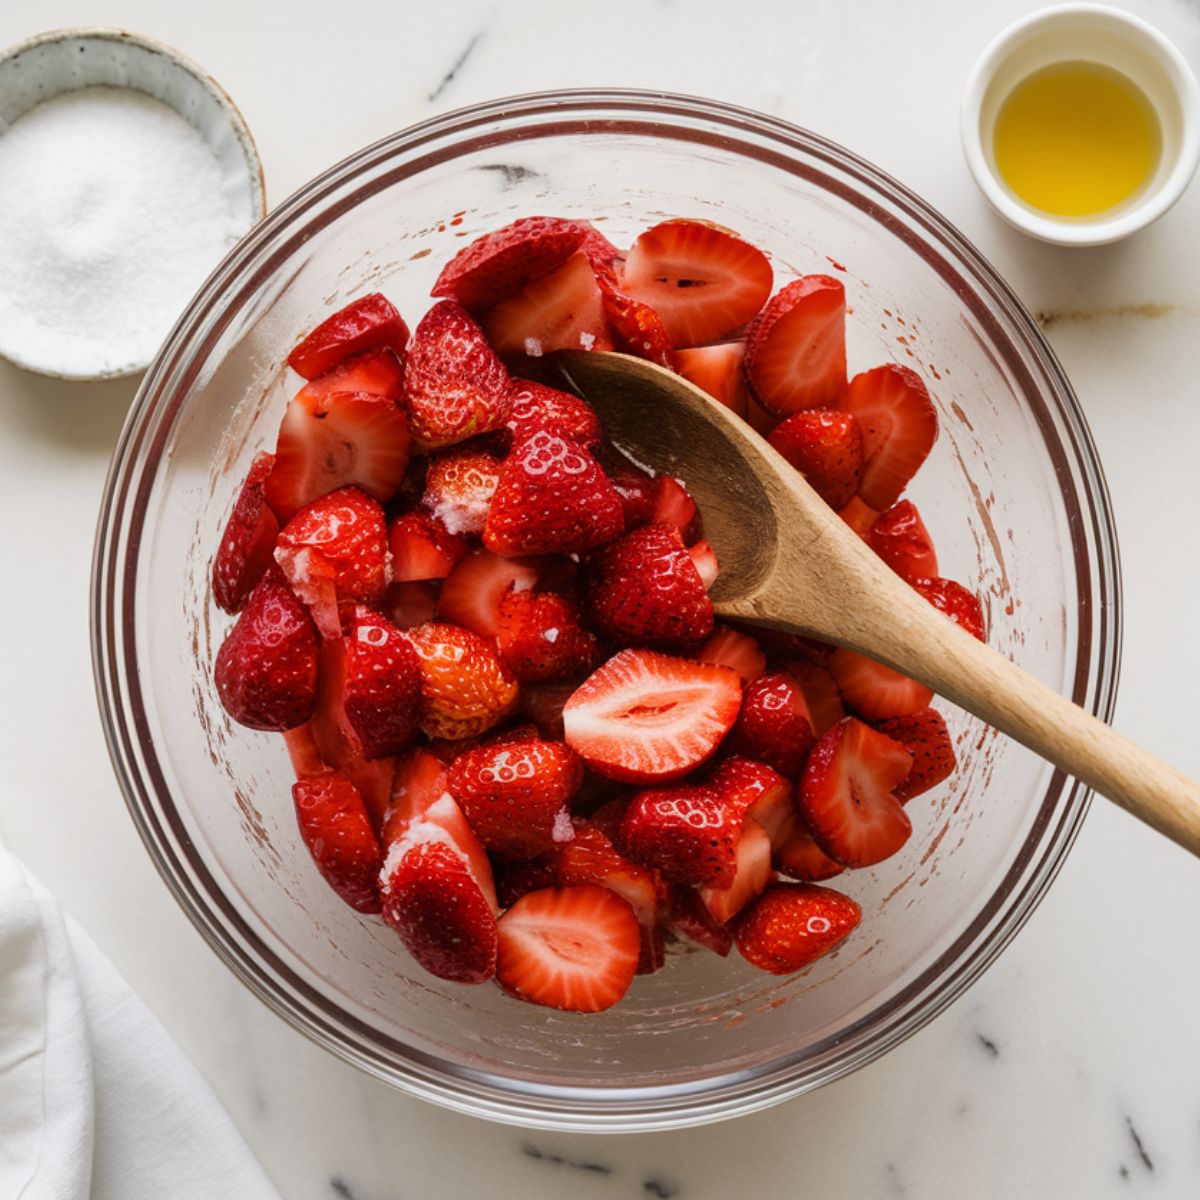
[{"x": 1013, "y": 495}]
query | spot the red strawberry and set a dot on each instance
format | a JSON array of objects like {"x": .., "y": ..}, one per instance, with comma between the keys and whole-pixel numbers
[
  {"x": 671, "y": 504},
  {"x": 791, "y": 925},
  {"x": 382, "y": 684},
  {"x": 752, "y": 872},
  {"x": 459, "y": 485},
  {"x": 374, "y": 372},
  {"x": 847, "y": 795},
  {"x": 335, "y": 550},
  {"x": 899, "y": 426},
  {"x": 562, "y": 310},
  {"x": 422, "y": 548},
  {"x": 337, "y": 831},
  {"x": 825, "y": 446},
  {"x": 704, "y": 559},
  {"x": 464, "y": 686},
  {"x": 573, "y": 948},
  {"x": 798, "y": 856},
  {"x": 731, "y": 648},
  {"x": 266, "y": 669},
  {"x": 409, "y": 604},
  {"x": 702, "y": 281},
  {"x": 543, "y": 703},
  {"x": 542, "y": 637},
  {"x": 717, "y": 370},
  {"x": 447, "y": 752},
  {"x": 248, "y": 541},
  {"x": 335, "y": 440},
  {"x": 775, "y": 726},
  {"x": 859, "y": 516},
  {"x": 637, "y": 329},
  {"x": 535, "y": 408},
  {"x": 601, "y": 253},
  {"x": 303, "y": 752},
  {"x": 364, "y": 324},
  {"x": 796, "y": 349},
  {"x": 637, "y": 488},
  {"x": 454, "y": 384},
  {"x": 646, "y": 717},
  {"x": 874, "y": 691},
  {"x": 552, "y": 498},
  {"x": 925, "y": 736},
  {"x": 900, "y": 538},
  {"x": 956, "y": 602},
  {"x": 473, "y": 591},
  {"x": 684, "y": 832},
  {"x": 645, "y": 588},
  {"x": 688, "y": 915},
  {"x": 499, "y": 264},
  {"x": 821, "y": 695}
]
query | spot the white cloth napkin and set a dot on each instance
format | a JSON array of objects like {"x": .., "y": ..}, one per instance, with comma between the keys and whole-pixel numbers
[{"x": 96, "y": 1101}]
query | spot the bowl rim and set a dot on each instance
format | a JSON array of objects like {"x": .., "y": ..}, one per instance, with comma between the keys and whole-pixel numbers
[{"x": 595, "y": 1109}]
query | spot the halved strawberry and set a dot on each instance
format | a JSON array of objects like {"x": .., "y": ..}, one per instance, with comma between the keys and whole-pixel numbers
[
  {"x": 752, "y": 873},
  {"x": 338, "y": 833},
  {"x": 382, "y": 684},
  {"x": 954, "y": 601},
  {"x": 825, "y": 446},
  {"x": 447, "y": 752},
  {"x": 423, "y": 548},
  {"x": 791, "y": 925},
  {"x": 499, "y": 264},
  {"x": 847, "y": 796},
  {"x": 536, "y": 408},
  {"x": 573, "y": 948},
  {"x": 459, "y": 486},
  {"x": 798, "y": 856},
  {"x": 636, "y": 487},
  {"x": 900, "y": 538},
  {"x": 672, "y": 504},
  {"x": 552, "y": 498},
  {"x": 731, "y": 648},
  {"x": 796, "y": 349},
  {"x": 874, "y": 691},
  {"x": 683, "y": 831},
  {"x": 303, "y": 751},
  {"x": 373, "y": 372},
  {"x": 473, "y": 591},
  {"x": 646, "y": 717},
  {"x": 702, "y": 281},
  {"x": 820, "y": 694},
  {"x": 409, "y": 604},
  {"x": 601, "y": 253},
  {"x": 689, "y": 916},
  {"x": 925, "y": 736},
  {"x": 774, "y": 726},
  {"x": 899, "y": 426},
  {"x": 542, "y": 703},
  {"x": 704, "y": 559},
  {"x": 363, "y": 324},
  {"x": 562, "y": 310},
  {"x": 541, "y": 637},
  {"x": 636, "y": 328},
  {"x": 248, "y": 541},
  {"x": 859, "y": 516},
  {"x": 335, "y": 440},
  {"x": 717, "y": 370}
]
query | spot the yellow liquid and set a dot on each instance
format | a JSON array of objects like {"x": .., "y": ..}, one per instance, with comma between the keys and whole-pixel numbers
[{"x": 1076, "y": 139}]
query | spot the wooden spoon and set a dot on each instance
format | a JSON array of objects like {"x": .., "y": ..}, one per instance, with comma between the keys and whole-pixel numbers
[{"x": 789, "y": 562}]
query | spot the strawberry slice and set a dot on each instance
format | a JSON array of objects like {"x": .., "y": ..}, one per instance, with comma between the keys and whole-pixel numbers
[
  {"x": 248, "y": 541},
  {"x": 796, "y": 349},
  {"x": 552, "y": 497},
  {"x": 701, "y": 280},
  {"x": 364, "y": 324},
  {"x": 956, "y": 602},
  {"x": 704, "y": 559},
  {"x": 266, "y": 669},
  {"x": 601, "y": 253},
  {"x": 689, "y": 917},
  {"x": 671, "y": 504},
  {"x": 645, "y": 587},
  {"x": 423, "y": 548},
  {"x": 774, "y": 726},
  {"x": 473, "y": 591},
  {"x": 752, "y": 873},
  {"x": 736, "y": 650},
  {"x": 900, "y": 538},
  {"x": 499, "y": 264},
  {"x": 799, "y": 857},
  {"x": 535, "y": 408},
  {"x": 338, "y": 833},
  {"x": 847, "y": 798},
  {"x": 685, "y": 832},
  {"x": 573, "y": 948},
  {"x": 335, "y": 440},
  {"x": 637, "y": 488},
  {"x": 409, "y": 604},
  {"x": 636, "y": 328},
  {"x": 717, "y": 370},
  {"x": 645, "y": 717},
  {"x": 859, "y": 516},
  {"x": 382, "y": 688},
  {"x": 541, "y": 637},
  {"x": 821, "y": 695},
  {"x": 874, "y": 691},
  {"x": 825, "y": 446},
  {"x": 459, "y": 486},
  {"x": 899, "y": 426},
  {"x": 563, "y": 310},
  {"x": 374, "y": 372},
  {"x": 791, "y": 925},
  {"x": 925, "y": 736}
]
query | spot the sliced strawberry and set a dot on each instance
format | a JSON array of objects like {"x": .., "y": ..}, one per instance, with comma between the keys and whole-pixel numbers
[
  {"x": 874, "y": 691},
  {"x": 825, "y": 446},
  {"x": 364, "y": 324},
  {"x": 473, "y": 591},
  {"x": 374, "y": 373},
  {"x": 409, "y": 604},
  {"x": 752, "y": 873},
  {"x": 717, "y": 370},
  {"x": 562, "y": 310},
  {"x": 791, "y": 925},
  {"x": 541, "y": 637},
  {"x": 757, "y": 417},
  {"x": 689, "y": 916},
  {"x": 454, "y": 385},
  {"x": 859, "y": 516},
  {"x": 799, "y": 857},
  {"x": 535, "y": 408},
  {"x": 637, "y": 488},
  {"x": 303, "y": 751},
  {"x": 553, "y": 498},
  {"x": 459, "y": 485},
  {"x": 543, "y": 703},
  {"x": 499, "y": 264},
  {"x": 847, "y": 795},
  {"x": 925, "y": 736},
  {"x": 382, "y": 685},
  {"x": 704, "y": 559},
  {"x": 731, "y": 648},
  {"x": 671, "y": 504},
  {"x": 683, "y": 831},
  {"x": 248, "y": 541},
  {"x": 637, "y": 329},
  {"x": 266, "y": 669},
  {"x": 601, "y": 253},
  {"x": 899, "y": 426},
  {"x": 900, "y": 538},
  {"x": 646, "y": 717},
  {"x": 336, "y": 440},
  {"x": 645, "y": 588},
  {"x": 796, "y": 349},
  {"x": 956, "y": 602},
  {"x": 821, "y": 695},
  {"x": 702, "y": 281},
  {"x": 423, "y": 548},
  {"x": 774, "y": 726},
  {"x": 447, "y": 752},
  {"x": 338, "y": 833},
  {"x": 573, "y": 948}
]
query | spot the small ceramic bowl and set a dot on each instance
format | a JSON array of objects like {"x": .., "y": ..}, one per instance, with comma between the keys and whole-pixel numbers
[
  {"x": 1108, "y": 37},
  {"x": 68, "y": 59}
]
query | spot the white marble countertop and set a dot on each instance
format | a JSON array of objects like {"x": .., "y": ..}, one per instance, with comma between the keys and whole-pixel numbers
[{"x": 1069, "y": 1070}]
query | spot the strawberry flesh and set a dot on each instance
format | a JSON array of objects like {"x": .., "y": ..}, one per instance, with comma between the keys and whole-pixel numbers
[
  {"x": 717, "y": 370},
  {"x": 752, "y": 872},
  {"x": 874, "y": 691},
  {"x": 364, "y": 324},
  {"x": 736, "y": 650},
  {"x": 474, "y": 590},
  {"x": 374, "y": 372},
  {"x": 422, "y": 548},
  {"x": 925, "y": 736}
]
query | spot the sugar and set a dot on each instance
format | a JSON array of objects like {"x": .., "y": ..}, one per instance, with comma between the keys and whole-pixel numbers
[{"x": 112, "y": 213}]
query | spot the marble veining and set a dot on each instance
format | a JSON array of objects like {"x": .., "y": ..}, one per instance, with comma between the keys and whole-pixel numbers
[{"x": 459, "y": 63}]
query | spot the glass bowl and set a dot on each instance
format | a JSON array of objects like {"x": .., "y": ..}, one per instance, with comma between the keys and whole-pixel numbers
[{"x": 1013, "y": 495}]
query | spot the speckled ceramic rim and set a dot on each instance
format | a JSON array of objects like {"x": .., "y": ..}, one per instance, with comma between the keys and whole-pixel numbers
[{"x": 148, "y": 432}]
